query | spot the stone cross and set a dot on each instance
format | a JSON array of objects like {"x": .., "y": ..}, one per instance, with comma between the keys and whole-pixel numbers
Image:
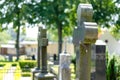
[
  {"x": 84, "y": 35},
  {"x": 43, "y": 42},
  {"x": 100, "y": 73},
  {"x": 65, "y": 44},
  {"x": 64, "y": 66}
]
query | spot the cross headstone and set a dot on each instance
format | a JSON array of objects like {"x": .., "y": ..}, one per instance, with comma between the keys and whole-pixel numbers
[
  {"x": 64, "y": 65},
  {"x": 100, "y": 73},
  {"x": 84, "y": 35},
  {"x": 43, "y": 42}
]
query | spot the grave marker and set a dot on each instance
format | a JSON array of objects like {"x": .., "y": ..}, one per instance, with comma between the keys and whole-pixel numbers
[
  {"x": 44, "y": 74},
  {"x": 100, "y": 61},
  {"x": 84, "y": 35},
  {"x": 64, "y": 65}
]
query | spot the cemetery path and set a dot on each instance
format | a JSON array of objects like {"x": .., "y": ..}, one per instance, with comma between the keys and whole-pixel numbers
[{"x": 10, "y": 74}]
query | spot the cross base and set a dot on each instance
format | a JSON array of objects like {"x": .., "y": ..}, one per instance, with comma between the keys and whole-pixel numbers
[{"x": 44, "y": 76}]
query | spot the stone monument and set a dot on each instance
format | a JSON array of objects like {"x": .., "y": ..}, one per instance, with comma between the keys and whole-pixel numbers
[
  {"x": 84, "y": 35},
  {"x": 100, "y": 73},
  {"x": 44, "y": 74},
  {"x": 64, "y": 65}
]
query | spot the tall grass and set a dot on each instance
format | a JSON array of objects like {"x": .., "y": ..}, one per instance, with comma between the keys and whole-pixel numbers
[{"x": 113, "y": 67}]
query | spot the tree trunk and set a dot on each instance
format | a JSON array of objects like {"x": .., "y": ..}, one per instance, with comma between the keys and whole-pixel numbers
[
  {"x": 17, "y": 40},
  {"x": 59, "y": 39},
  {"x": 17, "y": 23}
]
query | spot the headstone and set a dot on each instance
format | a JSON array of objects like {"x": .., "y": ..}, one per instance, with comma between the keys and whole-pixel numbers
[
  {"x": 100, "y": 61},
  {"x": 64, "y": 64},
  {"x": 84, "y": 35},
  {"x": 64, "y": 67},
  {"x": 43, "y": 75}
]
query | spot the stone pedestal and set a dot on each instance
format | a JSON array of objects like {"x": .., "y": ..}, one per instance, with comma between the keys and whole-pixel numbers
[
  {"x": 34, "y": 71},
  {"x": 64, "y": 69},
  {"x": 100, "y": 61},
  {"x": 44, "y": 76}
]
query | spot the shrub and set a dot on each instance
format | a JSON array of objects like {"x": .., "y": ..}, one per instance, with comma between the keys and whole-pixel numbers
[
  {"x": 113, "y": 67},
  {"x": 14, "y": 64},
  {"x": 111, "y": 70},
  {"x": 27, "y": 64},
  {"x": 2, "y": 65},
  {"x": 26, "y": 74}
]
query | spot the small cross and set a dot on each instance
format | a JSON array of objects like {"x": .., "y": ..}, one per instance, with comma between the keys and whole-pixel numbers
[{"x": 65, "y": 47}]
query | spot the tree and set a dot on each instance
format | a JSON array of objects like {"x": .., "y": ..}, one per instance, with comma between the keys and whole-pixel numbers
[
  {"x": 106, "y": 12},
  {"x": 16, "y": 12},
  {"x": 115, "y": 32},
  {"x": 58, "y": 14}
]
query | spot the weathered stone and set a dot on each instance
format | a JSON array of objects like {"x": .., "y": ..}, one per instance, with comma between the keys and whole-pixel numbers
[
  {"x": 44, "y": 76},
  {"x": 43, "y": 33},
  {"x": 38, "y": 53},
  {"x": 34, "y": 71},
  {"x": 100, "y": 61},
  {"x": 64, "y": 69},
  {"x": 43, "y": 42},
  {"x": 84, "y": 13},
  {"x": 77, "y": 51},
  {"x": 87, "y": 33},
  {"x": 85, "y": 62},
  {"x": 83, "y": 36}
]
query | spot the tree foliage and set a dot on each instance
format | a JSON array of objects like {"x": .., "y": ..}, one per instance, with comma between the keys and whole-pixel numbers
[
  {"x": 58, "y": 14},
  {"x": 106, "y": 12},
  {"x": 115, "y": 32},
  {"x": 16, "y": 12}
]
